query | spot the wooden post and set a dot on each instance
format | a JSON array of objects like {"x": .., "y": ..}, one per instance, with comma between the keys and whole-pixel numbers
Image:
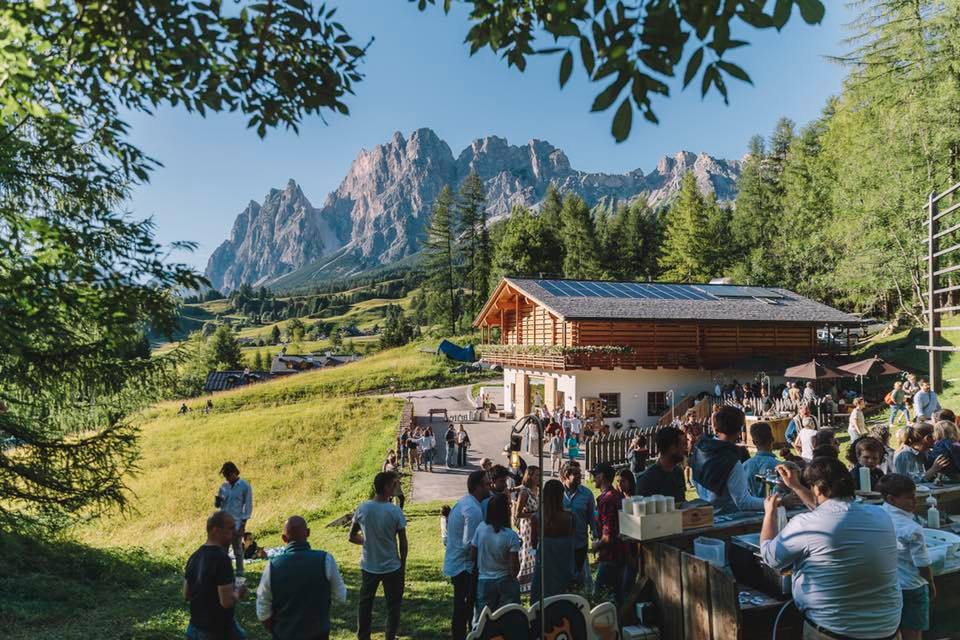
[
  {"x": 517, "y": 319},
  {"x": 934, "y": 335}
]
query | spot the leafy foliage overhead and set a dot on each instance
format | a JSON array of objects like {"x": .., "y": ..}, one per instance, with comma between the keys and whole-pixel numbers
[{"x": 632, "y": 46}]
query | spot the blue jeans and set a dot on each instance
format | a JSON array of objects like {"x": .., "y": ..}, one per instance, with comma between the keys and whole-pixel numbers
[
  {"x": 196, "y": 634},
  {"x": 897, "y": 408},
  {"x": 428, "y": 457},
  {"x": 609, "y": 581},
  {"x": 497, "y": 592},
  {"x": 451, "y": 455}
]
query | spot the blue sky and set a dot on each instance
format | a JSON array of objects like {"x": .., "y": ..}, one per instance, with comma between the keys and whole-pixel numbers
[{"x": 420, "y": 74}]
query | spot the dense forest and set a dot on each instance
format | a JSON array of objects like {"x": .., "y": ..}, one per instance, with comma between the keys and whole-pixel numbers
[{"x": 832, "y": 209}]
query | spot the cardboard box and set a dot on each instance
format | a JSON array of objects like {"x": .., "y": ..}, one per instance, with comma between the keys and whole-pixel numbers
[
  {"x": 697, "y": 517},
  {"x": 654, "y": 525}
]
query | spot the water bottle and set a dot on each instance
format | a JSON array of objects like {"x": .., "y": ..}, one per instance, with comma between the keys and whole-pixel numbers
[{"x": 933, "y": 514}]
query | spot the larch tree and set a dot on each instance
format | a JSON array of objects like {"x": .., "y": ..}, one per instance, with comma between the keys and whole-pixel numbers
[
  {"x": 440, "y": 262},
  {"x": 581, "y": 255},
  {"x": 474, "y": 241},
  {"x": 687, "y": 253}
]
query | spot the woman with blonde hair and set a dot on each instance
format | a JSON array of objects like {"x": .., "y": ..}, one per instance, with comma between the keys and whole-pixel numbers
[
  {"x": 526, "y": 504},
  {"x": 945, "y": 435},
  {"x": 805, "y": 438},
  {"x": 857, "y": 426}
]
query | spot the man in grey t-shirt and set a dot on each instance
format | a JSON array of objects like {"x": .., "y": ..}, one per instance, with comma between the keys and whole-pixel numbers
[{"x": 379, "y": 526}]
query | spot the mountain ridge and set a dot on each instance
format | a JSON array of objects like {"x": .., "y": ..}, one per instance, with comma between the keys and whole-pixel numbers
[{"x": 379, "y": 212}]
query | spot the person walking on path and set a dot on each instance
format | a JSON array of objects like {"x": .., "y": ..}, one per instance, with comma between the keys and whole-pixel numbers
[
  {"x": 463, "y": 443},
  {"x": 210, "y": 587},
  {"x": 525, "y": 506},
  {"x": 580, "y": 501},
  {"x": 450, "y": 438},
  {"x": 555, "y": 448},
  {"x": 380, "y": 528},
  {"x": 898, "y": 403},
  {"x": 462, "y": 523},
  {"x": 296, "y": 588},
  {"x": 236, "y": 498},
  {"x": 495, "y": 548}
]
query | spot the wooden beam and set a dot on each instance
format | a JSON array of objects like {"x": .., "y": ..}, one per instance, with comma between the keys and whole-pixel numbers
[{"x": 517, "y": 319}]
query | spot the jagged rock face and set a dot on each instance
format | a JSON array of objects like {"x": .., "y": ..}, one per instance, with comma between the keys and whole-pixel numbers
[{"x": 380, "y": 211}]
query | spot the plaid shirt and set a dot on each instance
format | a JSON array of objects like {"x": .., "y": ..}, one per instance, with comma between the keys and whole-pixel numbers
[{"x": 608, "y": 523}]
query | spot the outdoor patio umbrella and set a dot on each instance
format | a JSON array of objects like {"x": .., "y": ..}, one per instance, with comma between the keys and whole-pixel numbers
[
  {"x": 874, "y": 366},
  {"x": 815, "y": 370}
]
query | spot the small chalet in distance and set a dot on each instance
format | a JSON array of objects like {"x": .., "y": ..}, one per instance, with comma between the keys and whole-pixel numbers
[{"x": 624, "y": 345}]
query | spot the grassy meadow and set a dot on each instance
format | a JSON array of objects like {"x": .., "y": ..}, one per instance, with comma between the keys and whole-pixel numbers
[{"x": 309, "y": 444}]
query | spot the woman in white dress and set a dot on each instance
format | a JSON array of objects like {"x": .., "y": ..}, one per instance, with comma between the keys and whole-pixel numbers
[{"x": 525, "y": 506}]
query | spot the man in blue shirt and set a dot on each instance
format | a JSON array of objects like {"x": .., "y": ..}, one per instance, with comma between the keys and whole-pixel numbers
[
  {"x": 457, "y": 565},
  {"x": 843, "y": 555},
  {"x": 763, "y": 461},
  {"x": 578, "y": 500}
]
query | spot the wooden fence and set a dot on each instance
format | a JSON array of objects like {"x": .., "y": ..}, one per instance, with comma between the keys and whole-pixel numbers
[
  {"x": 824, "y": 413},
  {"x": 614, "y": 448}
]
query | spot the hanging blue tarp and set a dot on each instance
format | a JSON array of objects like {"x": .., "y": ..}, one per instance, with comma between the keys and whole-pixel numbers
[{"x": 452, "y": 351}]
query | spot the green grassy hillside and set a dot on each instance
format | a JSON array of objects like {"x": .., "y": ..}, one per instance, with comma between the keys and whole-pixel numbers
[{"x": 307, "y": 444}]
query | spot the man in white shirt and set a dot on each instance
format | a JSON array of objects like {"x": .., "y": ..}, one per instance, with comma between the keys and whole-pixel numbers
[
  {"x": 717, "y": 473},
  {"x": 925, "y": 402},
  {"x": 462, "y": 523},
  {"x": 296, "y": 587},
  {"x": 380, "y": 528},
  {"x": 843, "y": 555},
  {"x": 236, "y": 498}
]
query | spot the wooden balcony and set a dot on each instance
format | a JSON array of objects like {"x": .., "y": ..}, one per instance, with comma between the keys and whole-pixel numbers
[{"x": 547, "y": 358}]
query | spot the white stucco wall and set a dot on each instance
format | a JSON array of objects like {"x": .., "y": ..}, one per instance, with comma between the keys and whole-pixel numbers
[{"x": 632, "y": 385}]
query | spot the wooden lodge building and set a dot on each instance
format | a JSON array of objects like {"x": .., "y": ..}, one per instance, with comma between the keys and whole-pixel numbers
[{"x": 623, "y": 346}]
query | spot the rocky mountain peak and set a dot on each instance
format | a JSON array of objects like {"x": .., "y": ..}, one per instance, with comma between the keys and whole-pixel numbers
[{"x": 379, "y": 212}]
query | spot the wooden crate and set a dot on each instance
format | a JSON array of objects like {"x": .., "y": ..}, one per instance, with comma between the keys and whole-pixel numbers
[
  {"x": 697, "y": 517},
  {"x": 648, "y": 527}
]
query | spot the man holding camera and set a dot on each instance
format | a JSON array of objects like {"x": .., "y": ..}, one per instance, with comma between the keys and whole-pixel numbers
[{"x": 236, "y": 498}]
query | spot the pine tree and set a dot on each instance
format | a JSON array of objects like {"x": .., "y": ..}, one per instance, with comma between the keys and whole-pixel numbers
[
  {"x": 581, "y": 259},
  {"x": 257, "y": 361},
  {"x": 634, "y": 243},
  {"x": 687, "y": 254},
  {"x": 439, "y": 262},
  {"x": 550, "y": 219},
  {"x": 474, "y": 239},
  {"x": 275, "y": 335},
  {"x": 223, "y": 350}
]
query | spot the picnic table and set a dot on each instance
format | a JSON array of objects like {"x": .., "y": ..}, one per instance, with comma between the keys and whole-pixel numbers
[{"x": 433, "y": 412}]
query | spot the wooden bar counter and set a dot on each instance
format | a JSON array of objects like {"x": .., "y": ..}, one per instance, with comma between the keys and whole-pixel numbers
[{"x": 696, "y": 600}]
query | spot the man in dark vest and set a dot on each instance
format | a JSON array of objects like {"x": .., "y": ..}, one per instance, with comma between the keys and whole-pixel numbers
[{"x": 293, "y": 599}]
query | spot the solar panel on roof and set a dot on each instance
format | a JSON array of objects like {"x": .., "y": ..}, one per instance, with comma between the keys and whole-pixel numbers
[
  {"x": 623, "y": 290},
  {"x": 734, "y": 291}
]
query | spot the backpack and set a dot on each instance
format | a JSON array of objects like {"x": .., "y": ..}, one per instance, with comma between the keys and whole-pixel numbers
[{"x": 888, "y": 399}]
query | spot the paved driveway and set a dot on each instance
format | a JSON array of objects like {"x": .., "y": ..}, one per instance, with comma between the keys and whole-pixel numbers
[{"x": 487, "y": 439}]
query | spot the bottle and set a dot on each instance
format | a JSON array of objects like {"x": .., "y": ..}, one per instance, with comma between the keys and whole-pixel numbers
[
  {"x": 933, "y": 514},
  {"x": 865, "y": 479}
]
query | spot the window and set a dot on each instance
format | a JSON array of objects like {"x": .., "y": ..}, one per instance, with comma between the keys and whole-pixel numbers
[
  {"x": 657, "y": 403},
  {"x": 610, "y": 405}
]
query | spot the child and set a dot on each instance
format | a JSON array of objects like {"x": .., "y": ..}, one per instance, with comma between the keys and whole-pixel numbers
[
  {"x": 573, "y": 448},
  {"x": 825, "y": 444},
  {"x": 867, "y": 452},
  {"x": 805, "y": 438},
  {"x": 882, "y": 433},
  {"x": 764, "y": 461},
  {"x": 900, "y": 502}
]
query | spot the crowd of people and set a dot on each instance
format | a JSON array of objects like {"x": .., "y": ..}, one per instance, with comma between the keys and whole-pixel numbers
[{"x": 859, "y": 570}]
